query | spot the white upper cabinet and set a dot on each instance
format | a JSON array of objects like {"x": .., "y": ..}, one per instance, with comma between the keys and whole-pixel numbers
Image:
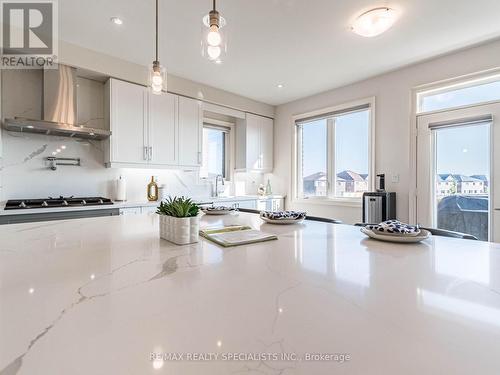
[
  {"x": 155, "y": 131},
  {"x": 190, "y": 132},
  {"x": 266, "y": 144},
  {"x": 254, "y": 144},
  {"x": 252, "y": 133},
  {"x": 127, "y": 119},
  {"x": 163, "y": 129}
]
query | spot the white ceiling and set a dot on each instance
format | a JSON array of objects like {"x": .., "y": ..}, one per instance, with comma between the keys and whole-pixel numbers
[{"x": 305, "y": 44}]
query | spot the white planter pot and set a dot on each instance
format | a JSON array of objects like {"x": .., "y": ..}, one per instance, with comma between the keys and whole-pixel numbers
[{"x": 180, "y": 230}]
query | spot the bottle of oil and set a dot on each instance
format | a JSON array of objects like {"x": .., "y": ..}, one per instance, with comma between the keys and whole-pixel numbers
[{"x": 153, "y": 190}]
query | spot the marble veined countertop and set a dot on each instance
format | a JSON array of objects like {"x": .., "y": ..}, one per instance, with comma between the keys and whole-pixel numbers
[
  {"x": 130, "y": 204},
  {"x": 108, "y": 296}
]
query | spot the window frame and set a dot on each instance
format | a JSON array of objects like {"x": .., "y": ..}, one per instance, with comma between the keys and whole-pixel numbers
[
  {"x": 442, "y": 87},
  {"x": 330, "y": 198},
  {"x": 416, "y": 92},
  {"x": 229, "y": 154}
]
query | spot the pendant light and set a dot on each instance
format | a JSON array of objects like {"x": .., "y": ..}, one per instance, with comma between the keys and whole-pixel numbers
[
  {"x": 213, "y": 39},
  {"x": 157, "y": 73}
]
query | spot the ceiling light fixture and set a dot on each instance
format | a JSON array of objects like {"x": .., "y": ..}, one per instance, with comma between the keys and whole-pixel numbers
[
  {"x": 157, "y": 73},
  {"x": 374, "y": 22},
  {"x": 280, "y": 85},
  {"x": 213, "y": 40},
  {"x": 116, "y": 20}
]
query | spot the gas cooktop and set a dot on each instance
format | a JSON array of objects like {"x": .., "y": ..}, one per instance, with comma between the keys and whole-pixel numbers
[{"x": 19, "y": 204}]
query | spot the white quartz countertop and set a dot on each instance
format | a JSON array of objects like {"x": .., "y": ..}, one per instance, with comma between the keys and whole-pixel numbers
[
  {"x": 99, "y": 295},
  {"x": 130, "y": 204}
]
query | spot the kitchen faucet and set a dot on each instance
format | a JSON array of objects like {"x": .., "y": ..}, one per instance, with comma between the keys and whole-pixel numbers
[{"x": 221, "y": 177}]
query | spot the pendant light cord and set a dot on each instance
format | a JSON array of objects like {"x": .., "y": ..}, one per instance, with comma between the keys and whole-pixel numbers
[
  {"x": 214, "y": 5},
  {"x": 157, "y": 30}
]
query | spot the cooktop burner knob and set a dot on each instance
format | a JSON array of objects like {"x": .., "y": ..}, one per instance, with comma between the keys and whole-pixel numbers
[
  {"x": 65, "y": 203},
  {"x": 22, "y": 204},
  {"x": 83, "y": 202},
  {"x": 44, "y": 204},
  {"x": 100, "y": 201}
]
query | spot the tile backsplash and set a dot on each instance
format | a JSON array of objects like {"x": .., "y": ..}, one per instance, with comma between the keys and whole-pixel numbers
[{"x": 25, "y": 172}]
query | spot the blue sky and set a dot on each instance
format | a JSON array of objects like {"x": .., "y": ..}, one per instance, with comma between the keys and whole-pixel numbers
[
  {"x": 464, "y": 96},
  {"x": 351, "y": 146},
  {"x": 463, "y": 150}
]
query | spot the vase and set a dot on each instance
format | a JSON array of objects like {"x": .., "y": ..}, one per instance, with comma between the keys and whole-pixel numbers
[{"x": 180, "y": 230}]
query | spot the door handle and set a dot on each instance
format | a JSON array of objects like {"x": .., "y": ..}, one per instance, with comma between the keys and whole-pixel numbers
[
  {"x": 145, "y": 153},
  {"x": 151, "y": 153}
]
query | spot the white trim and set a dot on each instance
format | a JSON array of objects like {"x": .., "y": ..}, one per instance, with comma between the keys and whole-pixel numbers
[
  {"x": 329, "y": 200},
  {"x": 470, "y": 80},
  {"x": 344, "y": 106},
  {"x": 427, "y": 198},
  {"x": 223, "y": 110},
  {"x": 230, "y": 146},
  {"x": 217, "y": 123},
  {"x": 463, "y": 80},
  {"x": 457, "y": 81}
]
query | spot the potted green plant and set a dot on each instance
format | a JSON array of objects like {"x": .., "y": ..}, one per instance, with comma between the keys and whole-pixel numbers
[{"x": 179, "y": 220}]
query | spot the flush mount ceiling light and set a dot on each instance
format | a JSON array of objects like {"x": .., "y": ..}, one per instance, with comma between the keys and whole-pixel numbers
[
  {"x": 280, "y": 85},
  {"x": 213, "y": 39},
  {"x": 374, "y": 22},
  {"x": 157, "y": 73},
  {"x": 116, "y": 20}
]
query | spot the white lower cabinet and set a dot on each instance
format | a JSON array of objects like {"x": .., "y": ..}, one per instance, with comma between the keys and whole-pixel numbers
[
  {"x": 270, "y": 204},
  {"x": 274, "y": 204},
  {"x": 248, "y": 204},
  {"x": 277, "y": 204},
  {"x": 130, "y": 211},
  {"x": 148, "y": 209},
  {"x": 262, "y": 205},
  {"x": 137, "y": 210}
]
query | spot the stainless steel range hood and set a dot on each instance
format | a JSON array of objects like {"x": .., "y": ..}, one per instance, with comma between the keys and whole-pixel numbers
[{"x": 59, "y": 109}]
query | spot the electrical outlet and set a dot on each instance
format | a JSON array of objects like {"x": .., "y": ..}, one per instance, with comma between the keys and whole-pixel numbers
[{"x": 395, "y": 178}]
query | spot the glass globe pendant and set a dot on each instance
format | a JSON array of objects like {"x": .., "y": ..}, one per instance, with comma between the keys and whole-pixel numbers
[
  {"x": 157, "y": 73},
  {"x": 213, "y": 38}
]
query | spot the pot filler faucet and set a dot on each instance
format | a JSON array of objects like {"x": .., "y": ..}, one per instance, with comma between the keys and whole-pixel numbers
[{"x": 54, "y": 162}]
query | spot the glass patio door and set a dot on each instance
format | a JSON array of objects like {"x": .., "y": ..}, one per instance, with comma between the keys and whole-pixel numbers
[{"x": 456, "y": 169}]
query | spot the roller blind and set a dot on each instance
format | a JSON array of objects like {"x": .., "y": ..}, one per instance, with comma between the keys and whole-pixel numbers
[
  {"x": 461, "y": 122},
  {"x": 327, "y": 115}
]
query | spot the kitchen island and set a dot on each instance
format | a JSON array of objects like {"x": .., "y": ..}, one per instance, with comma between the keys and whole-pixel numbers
[{"x": 108, "y": 296}]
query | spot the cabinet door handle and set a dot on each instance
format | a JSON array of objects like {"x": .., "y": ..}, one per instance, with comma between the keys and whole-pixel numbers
[
  {"x": 145, "y": 153},
  {"x": 151, "y": 153}
]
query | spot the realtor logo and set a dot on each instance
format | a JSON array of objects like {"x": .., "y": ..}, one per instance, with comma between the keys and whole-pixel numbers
[{"x": 28, "y": 34}]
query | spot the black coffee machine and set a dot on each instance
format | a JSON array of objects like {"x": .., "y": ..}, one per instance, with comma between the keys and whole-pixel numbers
[{"x": 379, "y": 205}]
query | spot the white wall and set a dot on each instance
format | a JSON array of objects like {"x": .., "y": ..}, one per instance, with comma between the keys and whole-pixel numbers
[
  {"x": 393, "y": 106},
  {"x": 80, "y": 57},
  {"x": 23, "y": 170}
]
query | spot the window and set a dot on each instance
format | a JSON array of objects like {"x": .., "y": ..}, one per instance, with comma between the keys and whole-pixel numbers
[
  {"x": 215, "y": 151},
  {"x": 462, "y": 94},
  {"x": 334, "y": 153},
  {"x": 313, "y": 158}
]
